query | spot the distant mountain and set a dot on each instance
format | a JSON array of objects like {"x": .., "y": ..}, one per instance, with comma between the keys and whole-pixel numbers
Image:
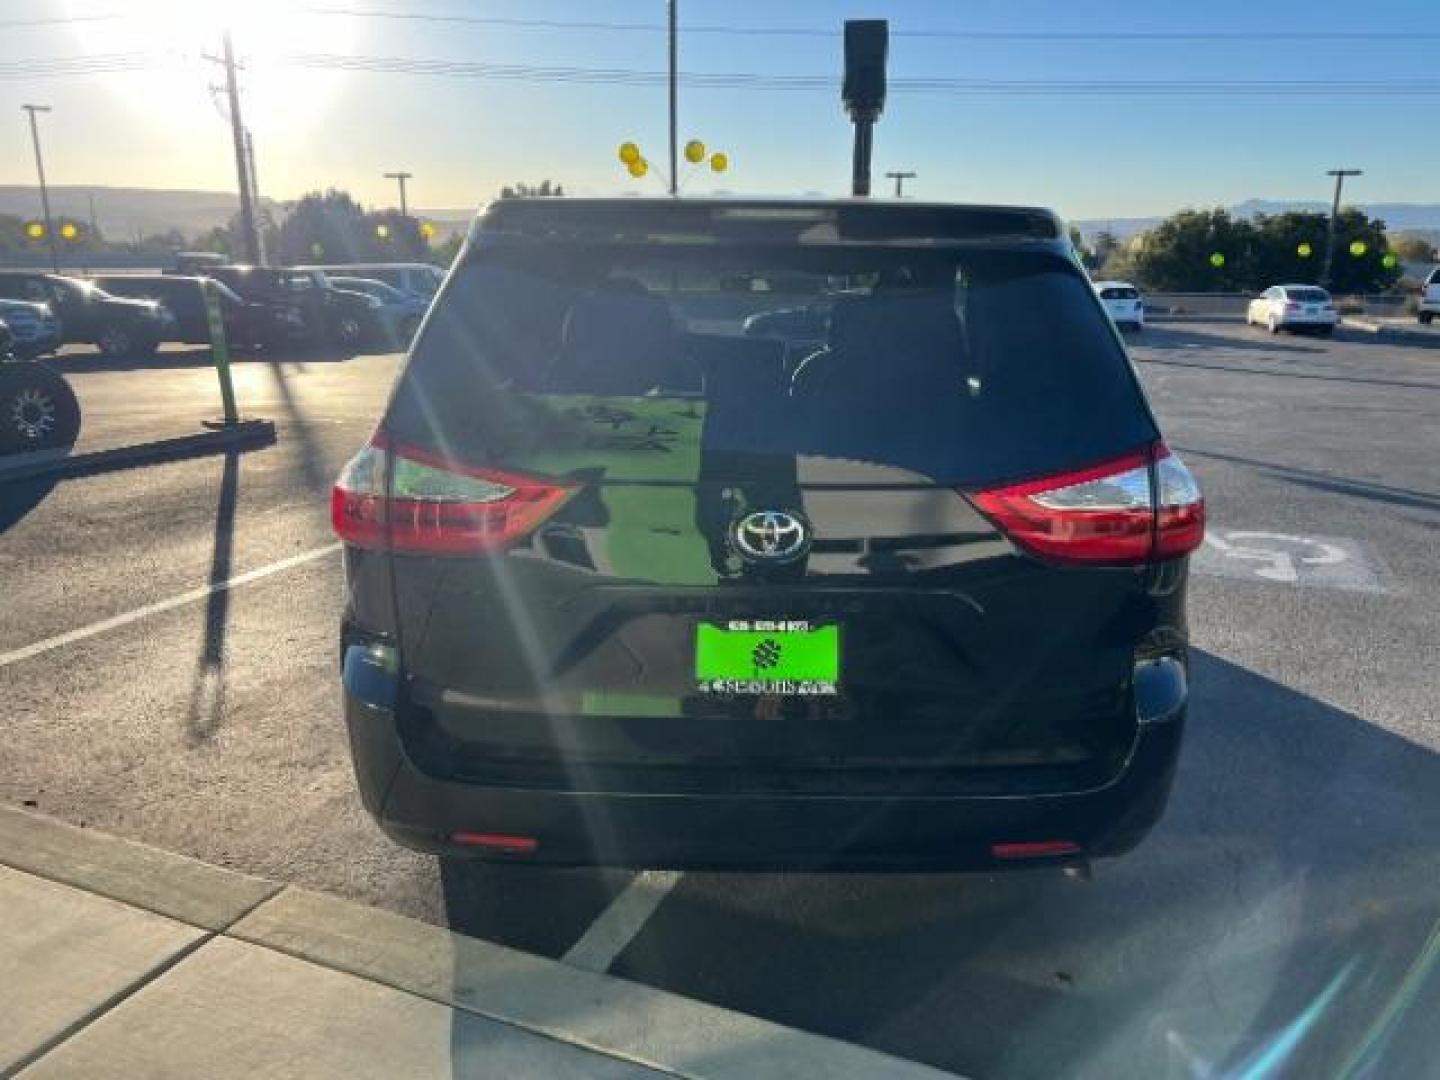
[
  {"x": 123, "y": 212},
  {"x": 1398, "y": 217}
]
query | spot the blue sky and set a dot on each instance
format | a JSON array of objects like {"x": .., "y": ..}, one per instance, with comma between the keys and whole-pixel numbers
[{"x": 1122, "y": 155}]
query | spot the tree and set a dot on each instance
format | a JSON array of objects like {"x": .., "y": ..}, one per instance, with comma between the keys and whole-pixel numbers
[
  {"x": 324, "y": 227},
  {"x": 161, "y": 243},
  {"x": 523, "y": 190},
  {"x": 1289, "y": 247},
  {"x": 395, "y": 237},
  {"x": 1411, "y": 247},
  {"x": 1196, "y": 251},
  {"x": 1105, "y": 246},
  {"x": 1210, "y": 251},
  {"x": 1360, "y": 250}
]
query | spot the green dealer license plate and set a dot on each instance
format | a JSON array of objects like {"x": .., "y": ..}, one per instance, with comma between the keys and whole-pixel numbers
[{"x": 767, "y": 656}]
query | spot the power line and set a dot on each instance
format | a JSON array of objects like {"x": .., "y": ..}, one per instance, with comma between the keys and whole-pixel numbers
[
  {"x": 1261, "y": 36},
  {"x": 1403, "y": 86},
  {"x": 1422, "y": 85},
  {"x": 821, "y": 32}
]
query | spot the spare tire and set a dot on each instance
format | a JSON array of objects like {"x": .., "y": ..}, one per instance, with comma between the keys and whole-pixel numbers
[{"x": 38, "y": 410}]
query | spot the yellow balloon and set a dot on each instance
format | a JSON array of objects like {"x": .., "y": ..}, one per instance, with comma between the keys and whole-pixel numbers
[
  {"x": 35, "y": 230},
  {"x": 382, "y": 231},
  {"x": 1305, "y": 251},
  {"x": 427, "y": 230},
  {"x": 719, "y": 162},
  {"x": 694, "y": 151},
  {"x": 68, "y": 231},
  {"x": 1358, "y": 248},
  {"x": 629, "y": 153},
  {"x": 638, "y": 168}
]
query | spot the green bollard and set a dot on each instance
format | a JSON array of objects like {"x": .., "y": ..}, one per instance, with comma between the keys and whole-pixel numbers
[{"x": 220, "y": 352}]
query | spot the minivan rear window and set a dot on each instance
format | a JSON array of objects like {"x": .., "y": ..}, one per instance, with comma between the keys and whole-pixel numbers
[
  {"x": 1119, "y": 293},
  {"x": 651, "y": 363}
]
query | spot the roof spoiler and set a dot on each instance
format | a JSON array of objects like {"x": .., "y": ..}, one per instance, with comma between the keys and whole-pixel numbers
[{"x": 679, "y": 221}]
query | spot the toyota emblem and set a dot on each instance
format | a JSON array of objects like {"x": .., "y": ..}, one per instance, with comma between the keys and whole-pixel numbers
[{"x": 772, "y": 536}]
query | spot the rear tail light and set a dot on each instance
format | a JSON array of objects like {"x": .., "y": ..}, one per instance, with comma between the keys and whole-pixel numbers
[
  {"x": 412, "y": 501},
  {"x": 1130, "y": 510}
]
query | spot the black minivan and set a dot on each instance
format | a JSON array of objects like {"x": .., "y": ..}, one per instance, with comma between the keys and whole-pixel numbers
[{"x": 628, "y": 584}]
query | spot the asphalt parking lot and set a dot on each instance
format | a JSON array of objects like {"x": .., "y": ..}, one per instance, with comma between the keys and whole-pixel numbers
[{"x": 1283, "y": 920}]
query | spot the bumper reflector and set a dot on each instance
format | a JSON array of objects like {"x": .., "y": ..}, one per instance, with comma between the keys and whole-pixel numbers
[
  {"x": 1034, "y": 849},
  {"x": 511, "y": 845}
]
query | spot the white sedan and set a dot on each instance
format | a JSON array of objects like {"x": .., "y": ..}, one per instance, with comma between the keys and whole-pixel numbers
[
  {"x": 1123, "y": 303},
  {"x": 1293, "y": 307}
]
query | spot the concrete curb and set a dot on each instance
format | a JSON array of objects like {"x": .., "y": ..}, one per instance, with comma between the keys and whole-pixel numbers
[
  {"x": 247, "y": 434},
  {"x": 601, "y": 1013}
]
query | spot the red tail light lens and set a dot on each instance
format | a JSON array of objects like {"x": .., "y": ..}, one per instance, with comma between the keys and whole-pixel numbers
[
  {"x": 1109, "y": 514},
  {"x": 435, "y": 505}
]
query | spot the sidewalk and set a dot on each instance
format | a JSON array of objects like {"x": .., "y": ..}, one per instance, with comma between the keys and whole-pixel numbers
[{"x": 118, "y": 959}]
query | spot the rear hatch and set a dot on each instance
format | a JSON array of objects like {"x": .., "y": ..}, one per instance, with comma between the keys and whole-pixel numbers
[{"x": 634, "y": 546}]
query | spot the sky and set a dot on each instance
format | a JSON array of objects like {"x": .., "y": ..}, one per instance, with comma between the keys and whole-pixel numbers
[{"x": 150, "y": 120}]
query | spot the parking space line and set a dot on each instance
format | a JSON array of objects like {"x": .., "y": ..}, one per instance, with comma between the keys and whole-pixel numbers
[
  {"x": 617, "y": 925},
  {"x": 194, "y": 595}
]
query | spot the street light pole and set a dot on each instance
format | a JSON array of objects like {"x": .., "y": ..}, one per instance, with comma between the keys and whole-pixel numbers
[
  {"x": 1340, "y": 175},
  {"x": 44, "y": 190},
  {"x": 900, "y": 178},
  {"x": 401, "y": 177},
  {"x": 674, "y": 155}
]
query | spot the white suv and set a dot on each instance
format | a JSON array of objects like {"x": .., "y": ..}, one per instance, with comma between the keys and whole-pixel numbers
[
  {"x": 1123, "y": 303},
  {"x": 1430, "y": 297}
]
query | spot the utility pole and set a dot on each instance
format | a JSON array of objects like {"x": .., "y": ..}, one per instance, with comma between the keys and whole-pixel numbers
[
  {"x": 674, "y": 155},
  {"x": 1340, "y": 175},
  {"x": 249, "y": 233},
  {"x": 900, "y": 178},
  {"x": 94, "y": 228},
  {"x": 261, "y": 255},
  {"x": 44, "y": 191},
  {"x": 401, "y": 177}
]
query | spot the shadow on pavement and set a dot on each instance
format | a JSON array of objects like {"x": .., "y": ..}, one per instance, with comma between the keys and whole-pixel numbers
[
  {"x": 1164, "y": 336},
  {"x": 312, "y": 461},
  {"x": 1336, "y": 485},
  {"x": 19, "y": 497},
  {"x": 1281, "y": 920},
  {"x": 198, "y": 357},
  {"x": 207, "y": 686},
  {"x": 1230, "y": 369},
  {"x": 527, "y": 907}
]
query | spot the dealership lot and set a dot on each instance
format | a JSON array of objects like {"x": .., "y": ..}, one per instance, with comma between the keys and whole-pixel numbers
[{"x": 1287, "y": 905}]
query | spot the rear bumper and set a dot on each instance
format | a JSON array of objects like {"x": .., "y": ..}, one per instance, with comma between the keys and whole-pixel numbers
[{"x": 910, "y": 831}]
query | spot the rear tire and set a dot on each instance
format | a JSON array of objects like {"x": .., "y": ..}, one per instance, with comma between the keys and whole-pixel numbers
[
  {"x": 117, "y": 342},
  {"x": 38, "y": 410},
  {"x": 1272, "y": 325},
  {"x": 1426, "y": 318},
  {"x": 1325, "y": 331}
]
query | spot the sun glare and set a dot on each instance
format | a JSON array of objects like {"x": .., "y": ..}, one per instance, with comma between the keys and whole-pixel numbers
[{"x": 181, "y": 39}]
